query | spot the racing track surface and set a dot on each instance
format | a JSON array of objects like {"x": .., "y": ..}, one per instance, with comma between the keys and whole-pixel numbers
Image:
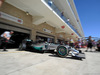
[{"x": 29, "y": 63}]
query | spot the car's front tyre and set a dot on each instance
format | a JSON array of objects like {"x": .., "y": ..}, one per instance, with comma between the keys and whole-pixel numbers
[{"x": 62, "y": 51}]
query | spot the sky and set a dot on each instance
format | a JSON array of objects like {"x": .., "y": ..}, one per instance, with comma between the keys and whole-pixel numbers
[{"x": 89, "y": 15}]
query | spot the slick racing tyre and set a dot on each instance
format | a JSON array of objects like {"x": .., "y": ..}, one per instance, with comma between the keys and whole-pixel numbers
[
  {"x": 22, "y": 47},
  {"x": 62, "y": 51}
]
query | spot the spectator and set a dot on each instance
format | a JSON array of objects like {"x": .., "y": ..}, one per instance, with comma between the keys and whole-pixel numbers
[
  {"x": 1, "y": 2},
  {"x": 98, "y": 45},
  {"x": 50, "y": 2},
  {"x": 94, "y": 44},
  {"x": 89, "y": 43},
  {"x": 83, "y": 44},
  {"x": 67, "y": 43},
  {"x": 5, "y": 37},
  {"x": 71, "y": 43},
  {"x": 62, "y": 14},
  {"x": 78, "y": 45},
  {"x": 68, "y": 19}
]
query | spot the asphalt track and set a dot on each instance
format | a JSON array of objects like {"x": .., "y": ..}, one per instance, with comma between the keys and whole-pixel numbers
[{"x": 15, "y": 62}]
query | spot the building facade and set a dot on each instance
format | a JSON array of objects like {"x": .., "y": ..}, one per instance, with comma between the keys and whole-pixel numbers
[{"x": 46, "y": 20}]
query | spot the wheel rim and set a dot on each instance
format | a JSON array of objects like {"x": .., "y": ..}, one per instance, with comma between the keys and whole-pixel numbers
[{"x": 62, "y": 51}]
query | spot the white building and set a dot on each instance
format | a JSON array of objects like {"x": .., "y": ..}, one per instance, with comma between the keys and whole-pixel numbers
[{"x": 59, "y": 14}]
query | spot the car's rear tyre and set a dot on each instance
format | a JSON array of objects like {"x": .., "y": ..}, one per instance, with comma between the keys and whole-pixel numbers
[
  {"x": 22, "y": 47},
  {"x": 62, "y": 51}
]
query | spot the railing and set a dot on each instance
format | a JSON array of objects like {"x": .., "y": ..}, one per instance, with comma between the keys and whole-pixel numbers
[
  {"x": 71, "y": 9},
  {"x": 73, "y": 12},
  {"x": 53, "y": 6}
]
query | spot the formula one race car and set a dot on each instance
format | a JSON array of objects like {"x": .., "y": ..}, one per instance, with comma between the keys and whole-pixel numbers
[{"x": 60, "y": 50}]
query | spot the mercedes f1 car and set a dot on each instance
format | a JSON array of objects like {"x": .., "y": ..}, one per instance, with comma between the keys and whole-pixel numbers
[{"x": 60, "y": 50}]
